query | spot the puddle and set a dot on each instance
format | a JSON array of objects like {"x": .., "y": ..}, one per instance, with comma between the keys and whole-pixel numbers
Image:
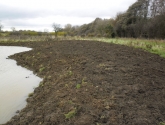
[{"x": 16, "y": 83}]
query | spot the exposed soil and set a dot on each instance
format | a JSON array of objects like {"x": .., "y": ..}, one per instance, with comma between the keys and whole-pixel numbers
[{"x": 92, "y": 83}]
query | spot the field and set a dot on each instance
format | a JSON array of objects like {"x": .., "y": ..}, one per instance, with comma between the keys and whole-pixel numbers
[
  {"x": 154, "y": 46},
  {"x": 94, "y": 83}
]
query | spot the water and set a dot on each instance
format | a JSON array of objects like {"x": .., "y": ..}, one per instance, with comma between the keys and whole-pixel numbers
[{"x": 16, "y": 83}]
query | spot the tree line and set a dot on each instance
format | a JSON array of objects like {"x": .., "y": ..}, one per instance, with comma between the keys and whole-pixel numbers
[{"x": 143, "y": 19}]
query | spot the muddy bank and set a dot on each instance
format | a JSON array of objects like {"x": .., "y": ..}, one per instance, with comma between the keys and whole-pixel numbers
[{"x": 93, "y": 83}]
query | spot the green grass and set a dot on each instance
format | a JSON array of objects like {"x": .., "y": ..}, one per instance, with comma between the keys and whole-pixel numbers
[
  {"x": 152, "y": 46},
  {"x": 30, "y": 94},
  {"x": 70, "y": 73},
  {"x": 41, "y": 69},
  {"x": 70, "y": 114},
  {"x": 161, "y": 123},
  {"x": 78, "y": 86}
]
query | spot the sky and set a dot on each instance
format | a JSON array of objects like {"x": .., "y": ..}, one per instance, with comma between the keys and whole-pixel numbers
[{"x": 41, "y": 14}]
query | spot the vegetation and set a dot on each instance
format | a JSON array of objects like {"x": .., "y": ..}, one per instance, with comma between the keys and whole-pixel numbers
[
  {"x": 78, "y": 86},
  {"x": 70, "y": 73},
  {"x": 1, "y": 26},
  {"x": 153, "y": 46},
  {"x": 70, "y": 114},
  {"x": 30, "y": 94},
  {"x": 98, "y": 28},
  {"x": 161, "y": 123},
  {"x": 56, "y": 28},
  {"x": 143, "y": 19},
  {"x": 41, "y": 69},
  {"x": 28, "y": 36}
]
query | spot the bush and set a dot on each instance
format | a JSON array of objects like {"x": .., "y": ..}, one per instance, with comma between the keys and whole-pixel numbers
[{"x": 113, "y": 35}]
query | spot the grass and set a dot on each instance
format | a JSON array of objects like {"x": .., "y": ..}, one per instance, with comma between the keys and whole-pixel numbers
[
  {"x": 70, "y": 73},
  {"x": 71, "y": 114},
  {"x": 41, "y": 84},
  {"x": 152, "y": 46},
  {"x": 14, "y": 39},
  {"x": 41, "y": 69},
  {"x": 161, "y": 123},
  {"x": 78, "y": 86},
  {"x": 30, "y": 94},
  {"x": 23, "y": 39}
]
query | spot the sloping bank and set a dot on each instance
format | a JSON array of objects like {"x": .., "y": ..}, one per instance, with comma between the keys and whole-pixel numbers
[{"x": 92, "y": 83}]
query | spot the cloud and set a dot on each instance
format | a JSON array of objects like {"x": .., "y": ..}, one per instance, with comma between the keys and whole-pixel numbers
[
  {"x": 40, "y": 13},
  {"x": 7, "y": 12}
]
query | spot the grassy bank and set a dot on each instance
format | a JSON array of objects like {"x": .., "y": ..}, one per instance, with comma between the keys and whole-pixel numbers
[{"x": 152, "y": 46}]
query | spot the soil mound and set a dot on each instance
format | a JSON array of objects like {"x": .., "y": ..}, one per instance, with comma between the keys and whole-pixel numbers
[{"x": 92, "y": 83}]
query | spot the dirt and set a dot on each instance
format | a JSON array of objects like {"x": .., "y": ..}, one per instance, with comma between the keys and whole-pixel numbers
[{"x": 92, "y": 83}]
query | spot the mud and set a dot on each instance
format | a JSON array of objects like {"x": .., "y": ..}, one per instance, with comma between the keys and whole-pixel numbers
[{"x": 92, "y": 83}]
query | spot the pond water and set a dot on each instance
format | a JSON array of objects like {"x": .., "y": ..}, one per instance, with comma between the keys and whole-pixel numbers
[{"x": 16, "y": 83}]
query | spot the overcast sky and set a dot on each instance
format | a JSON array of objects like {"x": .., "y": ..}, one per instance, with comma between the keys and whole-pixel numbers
[{"x": 41, "y": 14}]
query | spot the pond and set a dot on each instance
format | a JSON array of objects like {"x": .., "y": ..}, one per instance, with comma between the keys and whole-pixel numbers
[{"x": 16, "y": 83}]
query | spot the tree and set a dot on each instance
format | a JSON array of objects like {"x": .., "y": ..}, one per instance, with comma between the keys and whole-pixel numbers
[
  {"x": 68, "y": 28},
  {"x": 46, "y": 32},
  {"x": 13, "y": 29},
  {"x": 1, "y": 26},
  {"x": 56, "y": 28},
  {"x": 120, "y": 24}
]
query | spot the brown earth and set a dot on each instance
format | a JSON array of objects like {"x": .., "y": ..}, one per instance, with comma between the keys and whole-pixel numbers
[{"x": 92, "y": 83}]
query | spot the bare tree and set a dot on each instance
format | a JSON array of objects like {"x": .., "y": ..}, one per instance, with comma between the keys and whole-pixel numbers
[
  {"x": 13, "y": 29},
  {"x": 56, "y": 28},
  {"x": 1, "y": 26},
  {"x": 46, "y": 32}
]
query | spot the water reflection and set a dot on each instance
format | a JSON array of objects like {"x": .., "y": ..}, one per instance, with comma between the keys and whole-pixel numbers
[{"x": 15, "y": 83}]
